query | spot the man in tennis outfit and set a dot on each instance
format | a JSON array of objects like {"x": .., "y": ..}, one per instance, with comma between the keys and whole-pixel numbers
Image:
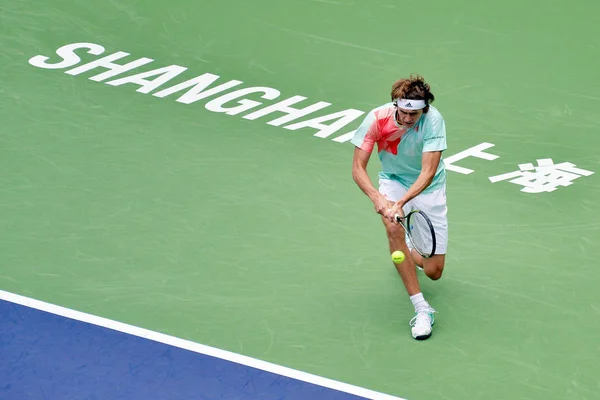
[{"x": 410, "y": 135}]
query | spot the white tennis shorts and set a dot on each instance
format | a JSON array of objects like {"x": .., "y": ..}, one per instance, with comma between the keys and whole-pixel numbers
[{"x": 433, "y": 204}]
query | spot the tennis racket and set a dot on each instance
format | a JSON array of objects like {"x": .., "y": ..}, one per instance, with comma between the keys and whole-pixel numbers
[{"x": 420, "y": 232}]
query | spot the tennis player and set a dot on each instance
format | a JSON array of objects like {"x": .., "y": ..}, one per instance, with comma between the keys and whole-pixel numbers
[{"x": 410, "y": 135}]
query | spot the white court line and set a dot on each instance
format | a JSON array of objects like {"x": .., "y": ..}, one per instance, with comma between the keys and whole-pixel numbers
[{"x": 195, "y": 347}]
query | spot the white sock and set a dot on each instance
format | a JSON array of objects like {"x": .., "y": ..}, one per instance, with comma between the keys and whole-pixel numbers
[{"x": 419, "y": 302}]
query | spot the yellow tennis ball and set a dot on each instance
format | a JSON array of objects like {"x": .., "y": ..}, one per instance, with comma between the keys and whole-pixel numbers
[{"x": 397, "y": 257}]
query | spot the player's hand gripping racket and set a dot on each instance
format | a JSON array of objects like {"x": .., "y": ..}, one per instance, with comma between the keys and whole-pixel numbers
[{"x": 420, "y": 232}]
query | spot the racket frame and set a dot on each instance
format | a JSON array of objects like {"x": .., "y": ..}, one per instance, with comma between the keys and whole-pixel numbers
[{"x": 406, "y": 226}]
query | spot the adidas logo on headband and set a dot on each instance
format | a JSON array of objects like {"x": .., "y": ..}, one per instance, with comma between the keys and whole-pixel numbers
[{"x": 411, "y": 104}]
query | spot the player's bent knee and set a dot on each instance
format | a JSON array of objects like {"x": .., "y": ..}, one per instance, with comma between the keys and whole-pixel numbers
[
  {"x": 434, "y": 267},
  {"x": 434, "y": 275}
]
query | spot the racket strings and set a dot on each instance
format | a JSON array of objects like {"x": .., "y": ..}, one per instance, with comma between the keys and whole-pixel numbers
[{"x": 421, "y": 233}]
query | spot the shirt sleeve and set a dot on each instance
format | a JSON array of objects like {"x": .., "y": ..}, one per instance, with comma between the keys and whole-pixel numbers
[
  {"x": 367, "y": 133},
  {"x": 435, "y": 135}
]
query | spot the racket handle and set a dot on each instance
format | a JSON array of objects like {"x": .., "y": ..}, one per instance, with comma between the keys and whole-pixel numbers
[{"x": 398, "y": 218}]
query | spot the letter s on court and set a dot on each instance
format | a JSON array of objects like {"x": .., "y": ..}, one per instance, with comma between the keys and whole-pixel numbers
[{"x": 68, "y": 55}]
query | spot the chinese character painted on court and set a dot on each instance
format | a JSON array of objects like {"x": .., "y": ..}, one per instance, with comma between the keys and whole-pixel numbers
[{"x": 546, "y": 177}]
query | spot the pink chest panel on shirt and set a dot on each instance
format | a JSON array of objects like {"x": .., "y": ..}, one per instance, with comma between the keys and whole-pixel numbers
[{"x": 389, "y": 134}]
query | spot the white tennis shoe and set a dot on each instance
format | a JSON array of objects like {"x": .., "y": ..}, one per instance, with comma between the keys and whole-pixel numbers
[{"x": 422, "y": 323}]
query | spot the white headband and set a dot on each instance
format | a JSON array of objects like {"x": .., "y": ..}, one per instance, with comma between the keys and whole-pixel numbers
[{"x": 410, "y": 104}]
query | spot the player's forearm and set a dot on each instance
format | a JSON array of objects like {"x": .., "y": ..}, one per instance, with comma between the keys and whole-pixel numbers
[
  {"x": 422, "y": 182},
  {"x": 361, "y": 177}
]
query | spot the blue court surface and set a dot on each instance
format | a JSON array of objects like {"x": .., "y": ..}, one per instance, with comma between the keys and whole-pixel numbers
[{"x": 49, "y": 352}]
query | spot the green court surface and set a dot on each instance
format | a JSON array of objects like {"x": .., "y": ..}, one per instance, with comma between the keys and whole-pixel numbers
[{"x": 253, "y": 238}]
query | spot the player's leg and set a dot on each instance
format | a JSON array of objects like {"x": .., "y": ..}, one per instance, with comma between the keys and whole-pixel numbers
[
  {"x": 422, "y": 322},
  {"x": 406, "y": 269},
  {"x": 435, "y": 206},
  {"x": 433, "y": 266}
]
